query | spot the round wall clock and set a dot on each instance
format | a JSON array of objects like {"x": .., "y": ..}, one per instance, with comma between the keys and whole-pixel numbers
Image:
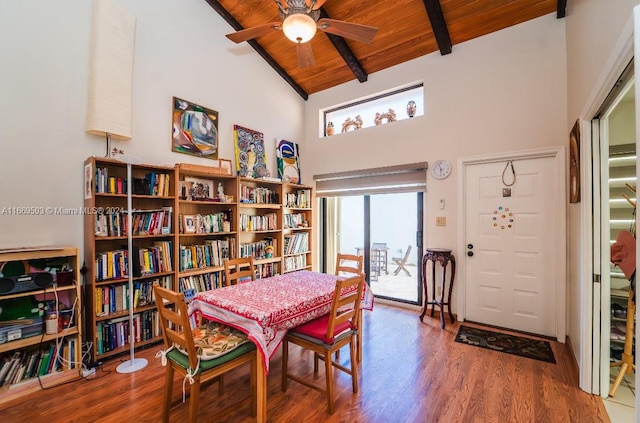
[{"x": 441, "y": 169}]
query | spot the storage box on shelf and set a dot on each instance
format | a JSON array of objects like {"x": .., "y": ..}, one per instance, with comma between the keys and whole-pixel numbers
[
  {"x": 106, "y": 251},
  {"x": 297, "y": 230},
  {"x": 207, "y": 214},
  {"x": 260, "y": 224},
  {"x": 47, "y": 351}
]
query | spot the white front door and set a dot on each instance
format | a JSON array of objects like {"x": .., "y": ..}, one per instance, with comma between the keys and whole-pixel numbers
[{"x": 511, "y": 277}]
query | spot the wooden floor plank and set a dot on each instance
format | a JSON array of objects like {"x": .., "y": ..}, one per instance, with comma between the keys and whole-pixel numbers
[{"x": 411, "y": 372}]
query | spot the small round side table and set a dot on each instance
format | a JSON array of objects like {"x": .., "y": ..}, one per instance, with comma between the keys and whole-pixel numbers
[{"x": 445, "y": 259}]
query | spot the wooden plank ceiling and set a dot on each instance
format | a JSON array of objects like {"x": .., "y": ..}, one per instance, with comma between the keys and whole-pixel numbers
[{"x": 407, "y": 29}]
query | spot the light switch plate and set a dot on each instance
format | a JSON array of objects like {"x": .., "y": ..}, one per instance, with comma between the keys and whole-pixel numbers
[{"x": 441, "y": 221}]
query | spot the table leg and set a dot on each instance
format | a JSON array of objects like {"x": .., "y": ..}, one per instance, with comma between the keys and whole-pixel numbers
[
  {"x": 442, "y": 289},
  {"x": 360, "y": 329},
  {"x": 261, "y": 401}
]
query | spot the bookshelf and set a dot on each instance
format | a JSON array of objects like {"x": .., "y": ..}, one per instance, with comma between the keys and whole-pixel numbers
[
  {"x": 297, "y": 227},
  {"x": 49, "y": 351},
  {"x": 206, "y": 204},
  {"x": 187, "y": 220},
  {"x": 105, "y": 231},
  {"x": 260, "y": 224}
]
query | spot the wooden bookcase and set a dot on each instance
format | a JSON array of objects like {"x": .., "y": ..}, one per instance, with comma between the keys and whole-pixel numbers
[
  {"x": 26, "y": 354},
  {"x": 212, "y": 236},
  {"x": 106, "y": 251},
  {"x": 297, "y": 227},
  {"x": 260, "y": 224},
  {"x": 257, "y": 217}
]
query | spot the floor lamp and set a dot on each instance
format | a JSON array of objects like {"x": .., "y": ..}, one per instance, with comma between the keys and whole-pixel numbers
[
  {"x": 133, "y": 364},
  {"x": 109, "y": 109}
]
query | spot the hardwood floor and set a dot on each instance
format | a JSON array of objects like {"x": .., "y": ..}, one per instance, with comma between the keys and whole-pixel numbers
[{"x": 411, "y": 372}]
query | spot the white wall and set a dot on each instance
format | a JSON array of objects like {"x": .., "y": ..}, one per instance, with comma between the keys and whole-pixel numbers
[
  {"x": 502, "y": 92},
  {"x": 180, "y": 51}
]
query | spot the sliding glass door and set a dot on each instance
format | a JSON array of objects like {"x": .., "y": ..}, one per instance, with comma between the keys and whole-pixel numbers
[{"x": 386, "y": 229}]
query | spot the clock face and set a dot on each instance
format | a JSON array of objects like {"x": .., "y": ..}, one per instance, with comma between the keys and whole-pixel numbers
[{"x": 440, "y": 169}]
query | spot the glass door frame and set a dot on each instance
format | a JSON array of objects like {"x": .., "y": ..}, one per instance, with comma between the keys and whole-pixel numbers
[{"x": 367, "y": 243}]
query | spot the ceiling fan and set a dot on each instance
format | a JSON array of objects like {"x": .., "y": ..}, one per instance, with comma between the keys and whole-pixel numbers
[{"x": 299, "y": 24}]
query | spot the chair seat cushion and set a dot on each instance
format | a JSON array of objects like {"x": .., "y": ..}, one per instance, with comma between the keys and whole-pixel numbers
[
  {"x": 213, "y": 340},
  {"x": 317, "y": 329},
  {"x": 182, "y": 359}
]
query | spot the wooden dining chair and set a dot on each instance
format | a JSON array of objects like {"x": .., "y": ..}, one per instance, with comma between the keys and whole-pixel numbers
[
  {"x": 238, "y": 270},
  {"x": 326, "y": 335},
  {"x": 401, "y": 262},
  {"x": 201, "y": 354},
  {"x": 349, "y": 264}
]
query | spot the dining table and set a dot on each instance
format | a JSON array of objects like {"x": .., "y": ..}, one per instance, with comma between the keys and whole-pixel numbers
[{"x": 265, "y": 309}]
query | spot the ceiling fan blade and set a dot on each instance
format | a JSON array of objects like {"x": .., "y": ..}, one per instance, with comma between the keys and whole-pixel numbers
[
  {"x": 318, "y": 4},
  {"x": 254, "y": 32},
  {"x": 305, "y": 55},
  {"x": 362, "y": 33}
]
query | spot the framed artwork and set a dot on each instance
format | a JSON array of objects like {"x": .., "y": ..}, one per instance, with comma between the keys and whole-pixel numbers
[
  {"x": 199, "y": 189},
  {"x": 226, "y": 166},
  {"x": 188, "y": 224},
  {"x": 195, "y": 129},
  {"x": 250, "y": 154},
  {"x": 88, "y": 185},
  {"x": 574, "y": 163},
  {"x": 288, "y": 162}
]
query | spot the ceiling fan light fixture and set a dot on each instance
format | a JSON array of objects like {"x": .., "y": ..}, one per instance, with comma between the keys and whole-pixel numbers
[{"x": 299, "y": 27}]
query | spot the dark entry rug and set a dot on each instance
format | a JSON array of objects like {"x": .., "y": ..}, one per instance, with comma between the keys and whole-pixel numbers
[{"x": 510, "y": 344}]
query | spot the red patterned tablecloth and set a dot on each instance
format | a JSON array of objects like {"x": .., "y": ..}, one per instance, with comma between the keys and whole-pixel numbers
[{"x": 266, "y": 308}]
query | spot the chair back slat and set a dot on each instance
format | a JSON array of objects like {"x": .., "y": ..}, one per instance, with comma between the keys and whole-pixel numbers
[
  {"x": 349, "y": 264},
  {"x": 238, "y": 268},
  {"x": 346, "y": 303},
  {"x": 174, "y": 319}
]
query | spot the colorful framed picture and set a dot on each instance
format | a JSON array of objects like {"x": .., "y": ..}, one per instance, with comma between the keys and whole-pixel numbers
[
  {"x": 195, "y": 129},
  {"x": 199, "y": 189},
  {"x": 288, "y": 162},
  {"x": 250, "y": 154},
  {"x": 226, "y": 166},
  {"x": 574, "y": 163}
]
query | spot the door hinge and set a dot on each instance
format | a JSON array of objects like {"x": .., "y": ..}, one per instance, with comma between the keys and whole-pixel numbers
[{"x": 596, "y": 278}]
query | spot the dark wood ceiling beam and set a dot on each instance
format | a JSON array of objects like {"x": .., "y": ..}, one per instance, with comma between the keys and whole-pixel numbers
[
  {"x": 562, "y": 9},
  {"x": 439, "y": 26},
  {"x": 345, "y": 51},
  {"x": 215, "y": 5}
]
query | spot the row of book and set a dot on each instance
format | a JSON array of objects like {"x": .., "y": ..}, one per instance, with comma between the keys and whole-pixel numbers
[
  {"x": 295, "y": 262},
  {"x": 114, "y": 334},
  {"x": 147, "y": 261},
  {"x": 258, "y": 250},
  {"x": 266, "y": 222},
  {"x": 206, "y": 223},
  {"x": 300, "y": 199},
  {"x": 156, "y": 184},
  {"x": 144, "y": 222},
  {"x": 296, "y": 243},
  {"x": 21, "y": 365},
  {"x": 295, "y": 220},
  {"x": 201, "y": 282},
  {"x": 212, "y": 253},
  {"x": 115, "y": 298},
  {"x": 258, "y": 195}
]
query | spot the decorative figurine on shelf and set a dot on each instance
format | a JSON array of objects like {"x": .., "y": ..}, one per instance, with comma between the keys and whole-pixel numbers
[
  {"x": 268, "y": 250},
  {"x": 390, "y": 116},
  {"x": 221, "y": 195},
  {"x": 352, "y": 123},
  {"x": 330, "y": 128},
  {"x": 411, "y": 108}
]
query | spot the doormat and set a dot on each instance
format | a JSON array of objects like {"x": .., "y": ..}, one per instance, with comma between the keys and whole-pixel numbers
[{"x": 510, "y": 344}]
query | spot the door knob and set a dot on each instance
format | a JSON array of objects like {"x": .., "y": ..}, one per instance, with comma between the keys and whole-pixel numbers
[
  {"x": 470, "y": 253},
  {"x": 470, "y": 246}
]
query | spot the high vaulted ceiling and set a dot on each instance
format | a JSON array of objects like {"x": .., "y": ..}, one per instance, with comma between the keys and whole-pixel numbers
[{"x": 407, "y": 29}]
